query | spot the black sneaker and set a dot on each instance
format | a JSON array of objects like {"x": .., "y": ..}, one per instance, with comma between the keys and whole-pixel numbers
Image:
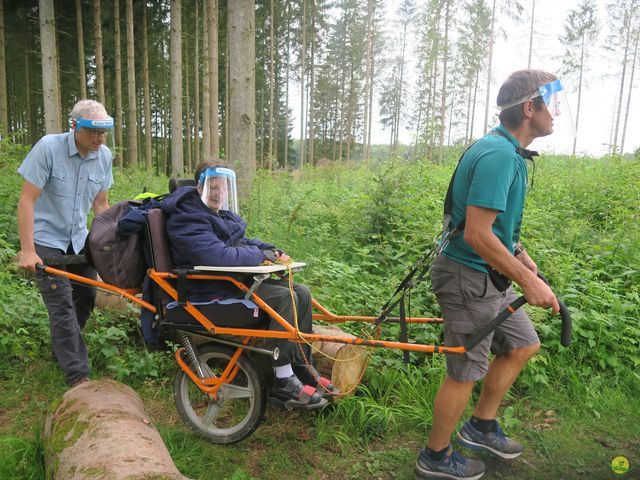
[
  {"x": 451, "y": 465},
  {"x": 496, "y": 443},
  {"x": 291, "y": 393}
]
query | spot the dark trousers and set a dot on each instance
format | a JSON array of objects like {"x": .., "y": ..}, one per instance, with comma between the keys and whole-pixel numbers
[
  {"x": 278, "y": 296},
  {"x": 69, "y": 306}
]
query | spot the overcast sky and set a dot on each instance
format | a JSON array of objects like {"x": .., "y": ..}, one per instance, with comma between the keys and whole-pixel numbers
[{"x": 600, "y": 86}]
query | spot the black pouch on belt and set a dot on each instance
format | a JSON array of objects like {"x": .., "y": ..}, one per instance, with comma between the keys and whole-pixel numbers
[{"x": 499, "y": 281}]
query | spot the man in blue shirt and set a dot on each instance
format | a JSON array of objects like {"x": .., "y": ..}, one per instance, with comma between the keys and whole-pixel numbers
[
  {"x": 472, "y": 279},
  {"x": 65, "y": 175}
]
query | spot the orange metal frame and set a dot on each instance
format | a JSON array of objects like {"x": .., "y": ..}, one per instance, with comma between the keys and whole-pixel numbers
[{"x": 211, "y": 386}]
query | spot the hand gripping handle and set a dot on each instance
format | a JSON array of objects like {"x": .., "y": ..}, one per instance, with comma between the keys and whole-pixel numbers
[{"x": 565, "y": 336}]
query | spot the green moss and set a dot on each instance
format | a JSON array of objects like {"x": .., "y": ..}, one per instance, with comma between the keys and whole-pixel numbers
[{"x": 95, "y": 472}]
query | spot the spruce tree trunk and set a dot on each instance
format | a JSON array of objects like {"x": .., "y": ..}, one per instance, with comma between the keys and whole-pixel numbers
[
  {"x": 490, "y": 61},
  {"x": 196, "y": 91},
  {"x": 148, "y": 147},
  {"x": 50, "y": 79},
  {"x": 303, "y": 55},
  {"x": 118, "y": 58},
  {"x": 97, "y": 36},
  {"x": 4, "y": 108},
  {"x": 206, "y": 87},
  {"x": 82, "y": 74},
  {"x": 242, "y": 104},
  {"x": 272, "y": 81},
  {"x": 633, "y": 69},
  {"x": 177, "y": 165},
  {"x": 132, "y": 123},
  {"x": 213, "y": 79},
  {"x": 101, "y": 430}
]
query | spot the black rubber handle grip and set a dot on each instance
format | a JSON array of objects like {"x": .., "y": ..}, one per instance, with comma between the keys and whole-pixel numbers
[
  {"x": 65, "y": 260},
  {"x": 565, "y": 335}
]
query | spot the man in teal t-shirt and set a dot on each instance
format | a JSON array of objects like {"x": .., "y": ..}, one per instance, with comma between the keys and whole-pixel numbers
[{"x": 488, "y": 192}]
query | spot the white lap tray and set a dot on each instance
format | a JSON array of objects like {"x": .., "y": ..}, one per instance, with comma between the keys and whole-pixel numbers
[{"x": 276, "y": 267}]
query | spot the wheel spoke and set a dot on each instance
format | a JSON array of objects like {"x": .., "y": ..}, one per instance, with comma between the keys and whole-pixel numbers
[
  {"x": 234, "y": 391},
  {"x": 211, "y": 414}
]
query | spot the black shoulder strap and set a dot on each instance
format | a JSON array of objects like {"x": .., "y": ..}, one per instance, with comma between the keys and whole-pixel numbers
[{"x": 448, "y": 200}]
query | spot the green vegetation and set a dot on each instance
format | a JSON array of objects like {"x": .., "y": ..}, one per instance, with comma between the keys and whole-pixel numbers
[{"x": 359, "y": 228}]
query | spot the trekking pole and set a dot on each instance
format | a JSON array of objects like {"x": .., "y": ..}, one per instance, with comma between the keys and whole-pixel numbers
[{"x": 565, "y": 336}]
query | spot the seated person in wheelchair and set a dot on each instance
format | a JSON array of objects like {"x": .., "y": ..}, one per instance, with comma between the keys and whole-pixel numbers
[{"x": 204, "y": 228}]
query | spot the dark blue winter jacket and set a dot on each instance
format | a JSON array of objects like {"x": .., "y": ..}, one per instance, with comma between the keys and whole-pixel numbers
[{"x": 199, "y": 236}]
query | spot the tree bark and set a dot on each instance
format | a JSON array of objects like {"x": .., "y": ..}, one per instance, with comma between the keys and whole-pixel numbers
[
  {"x": 50, "y": 79},
  {"x": 213, "y": 78},
  {"x": 177, "y": 165},
  {"x": 443, "y": 98},
  {"x": 241, "y": 150},
  {"x": 303, "y": 54},
  {"x": 196, "y": 90},
  {"x": 533, "y": 16},
  {"x": 97, "y": 36},
  {"x": 4, "y": 107},
  {"x": 82, "y": 74},
  {"x": 206, "y": 108},
  {"x": 148, "y": 146},
  {"x": 633, "y": 69},
  {"x": 490, "y": 61},
  {"x": 272, "y": 81},
  {"x": 132, "y": 123},
  {"x": 100, "y": 430},
  {"x": 118, "y": 59}
]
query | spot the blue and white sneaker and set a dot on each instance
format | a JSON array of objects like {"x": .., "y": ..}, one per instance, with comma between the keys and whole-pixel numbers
[
  {"x": 496, "y": 443},
  {"x": 452, "y": 465}
]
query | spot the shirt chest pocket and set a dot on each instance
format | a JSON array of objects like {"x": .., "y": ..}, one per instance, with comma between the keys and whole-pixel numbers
[
  {"x": 61, "y": 183},
  {"x": 93, "y": 185}
]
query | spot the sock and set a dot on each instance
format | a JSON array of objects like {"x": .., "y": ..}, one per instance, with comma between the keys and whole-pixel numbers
[
  {"x": 484, "y": 426},
  {"x": 436, "y": 455},
  {"x": 284, "y": 371}
]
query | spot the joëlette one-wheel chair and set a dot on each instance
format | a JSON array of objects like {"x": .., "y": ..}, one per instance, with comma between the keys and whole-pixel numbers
[{"x": 220, "y": 388}]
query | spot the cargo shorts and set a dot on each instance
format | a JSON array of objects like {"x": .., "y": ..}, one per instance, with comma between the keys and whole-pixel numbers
[{"x": 469, "y": 300}]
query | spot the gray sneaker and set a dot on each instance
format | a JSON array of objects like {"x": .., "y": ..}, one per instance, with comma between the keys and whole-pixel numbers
[
  {"x": 496, "y": 443},
  {"x": 452, "y": 465}
]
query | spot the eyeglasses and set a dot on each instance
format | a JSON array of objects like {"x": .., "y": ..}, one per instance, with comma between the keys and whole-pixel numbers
[{"x": 93, "y": 132}]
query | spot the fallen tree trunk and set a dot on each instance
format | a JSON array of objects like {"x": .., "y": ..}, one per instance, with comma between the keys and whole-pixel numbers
[
  {"x": 100, "y": 430},
  {"x": 343, "y": 362}
]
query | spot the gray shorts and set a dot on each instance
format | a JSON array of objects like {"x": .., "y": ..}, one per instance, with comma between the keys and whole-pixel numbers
[{"x": 469, "y": 301}]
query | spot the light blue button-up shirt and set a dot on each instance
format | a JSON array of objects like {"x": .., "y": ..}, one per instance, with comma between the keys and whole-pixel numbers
[{"x": 69, "y": 186}]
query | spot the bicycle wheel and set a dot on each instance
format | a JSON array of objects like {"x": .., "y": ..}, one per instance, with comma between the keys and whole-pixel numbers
[{"x": 240, "y": 406}]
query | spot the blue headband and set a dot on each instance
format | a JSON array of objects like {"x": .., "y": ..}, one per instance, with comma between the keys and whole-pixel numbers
[
  {"x": 94, "y": 123},
  {"x": 216, "y": 172}
]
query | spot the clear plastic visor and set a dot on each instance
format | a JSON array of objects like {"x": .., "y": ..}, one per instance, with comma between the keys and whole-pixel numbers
[
  {"x": 554, "y": 97},
  {"x": 98, "y": 128},
  {"x": 217, "y": 187}
]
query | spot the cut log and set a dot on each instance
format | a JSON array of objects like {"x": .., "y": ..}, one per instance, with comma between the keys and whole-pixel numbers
[
  {"x": 112, "y": 302},
  {"x": 350, "y": 360},
  {"x": 100, "y": 430}
]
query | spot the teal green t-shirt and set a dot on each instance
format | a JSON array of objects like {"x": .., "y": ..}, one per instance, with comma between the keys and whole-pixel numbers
[{"x": 490, "y": 175}]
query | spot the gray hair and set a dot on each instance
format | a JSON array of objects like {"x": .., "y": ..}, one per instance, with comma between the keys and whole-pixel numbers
[{"x": 88, "y": 109}]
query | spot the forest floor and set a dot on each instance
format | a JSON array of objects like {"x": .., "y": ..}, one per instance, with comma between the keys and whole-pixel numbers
[{"x": 564, "y": 438}]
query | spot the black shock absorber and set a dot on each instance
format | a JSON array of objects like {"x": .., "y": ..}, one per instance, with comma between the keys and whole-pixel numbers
[{"x": 191, "y": 353}]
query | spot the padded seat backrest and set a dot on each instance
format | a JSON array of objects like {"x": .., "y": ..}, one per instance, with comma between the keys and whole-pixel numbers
[
  {"x": 160, "y": 251},
  {"x": 180, "y": 182}
]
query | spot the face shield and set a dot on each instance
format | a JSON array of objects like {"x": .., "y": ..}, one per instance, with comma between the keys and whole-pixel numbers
[
  {"x": 554, "y": 97},
  {"x": 98, "y": 128},
  {"x": 217, "y": 187}
]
